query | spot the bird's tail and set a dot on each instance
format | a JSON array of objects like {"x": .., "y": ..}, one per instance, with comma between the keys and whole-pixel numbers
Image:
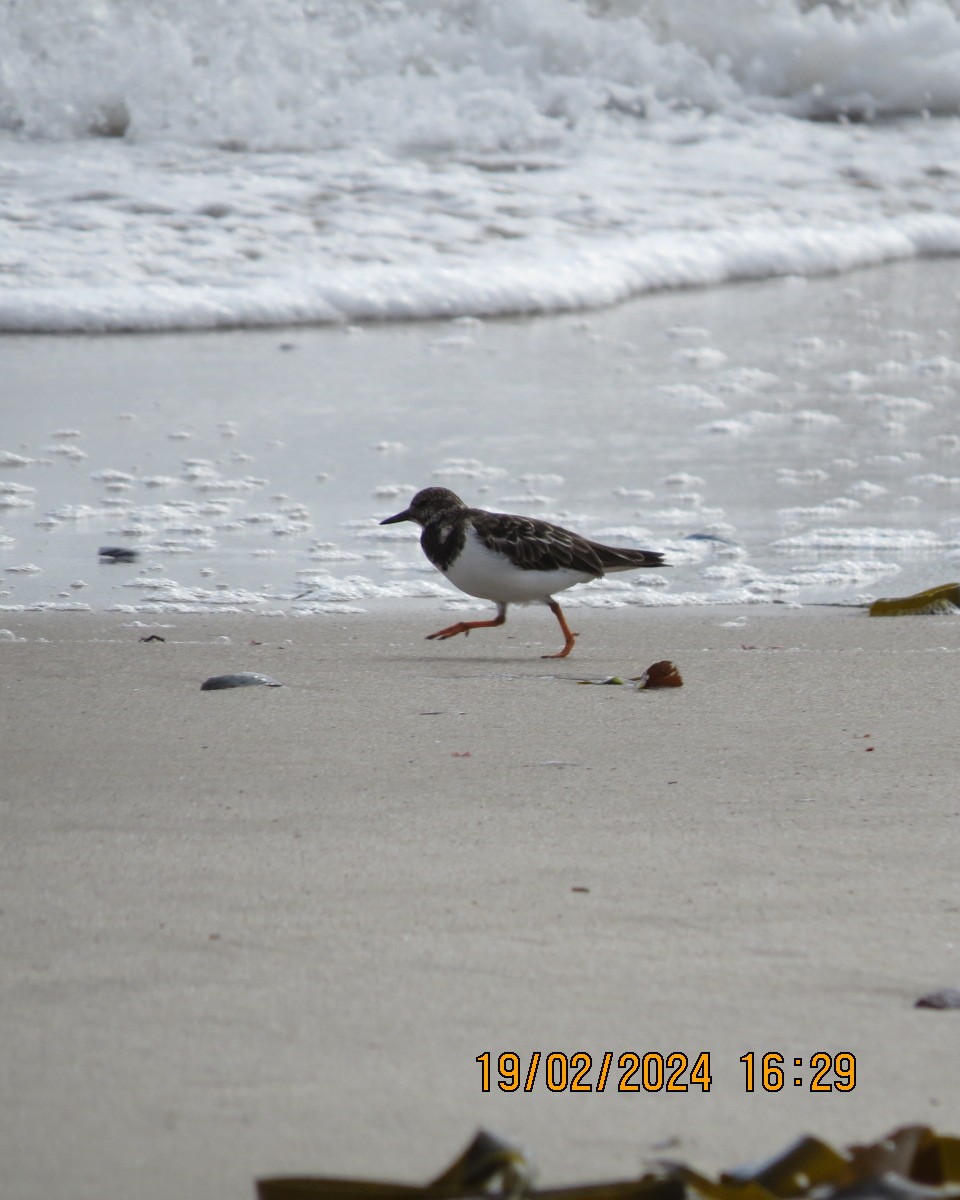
[{"x": 619, "y": 558}]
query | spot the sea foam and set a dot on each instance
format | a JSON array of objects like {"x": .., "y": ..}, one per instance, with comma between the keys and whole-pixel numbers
[{"x": 266, "y": 162}]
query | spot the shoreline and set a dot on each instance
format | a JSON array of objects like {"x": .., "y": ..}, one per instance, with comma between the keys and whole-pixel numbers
[
  {"x": 901, "y": 249},
  {"x": 267, "y": 931}
]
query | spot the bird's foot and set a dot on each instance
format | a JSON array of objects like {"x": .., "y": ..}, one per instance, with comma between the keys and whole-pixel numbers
[
  {"x": 570, "y": 643},
  {"x": 452, "y": 630}
]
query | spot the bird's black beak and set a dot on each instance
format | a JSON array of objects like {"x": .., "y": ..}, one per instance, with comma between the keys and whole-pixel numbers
[{"x": 400, "y": 516}]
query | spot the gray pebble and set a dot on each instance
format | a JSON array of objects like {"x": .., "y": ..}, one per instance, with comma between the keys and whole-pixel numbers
[
  {"x": 118, "y": 554},
  {"x": 242, "y": 679}
]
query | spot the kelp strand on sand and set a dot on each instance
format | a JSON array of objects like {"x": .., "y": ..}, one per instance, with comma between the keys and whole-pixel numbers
[
  {"x": 912, "y": 1163},
  {"x": 942, "y": 599}
]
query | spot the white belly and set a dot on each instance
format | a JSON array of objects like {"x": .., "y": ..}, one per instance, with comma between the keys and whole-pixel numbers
[{"x": 491, "y": 576}]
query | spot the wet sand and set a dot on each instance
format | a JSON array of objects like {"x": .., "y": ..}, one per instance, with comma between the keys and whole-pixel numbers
[
  {"x": 754, "y": 412},
  {"x": 266, "y": 931}
]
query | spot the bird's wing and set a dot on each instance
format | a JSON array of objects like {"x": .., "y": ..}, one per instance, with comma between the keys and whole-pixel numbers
[{"x": 537, "y": 545}]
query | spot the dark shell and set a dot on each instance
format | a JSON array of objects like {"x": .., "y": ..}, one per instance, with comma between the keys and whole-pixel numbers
[{"x": 942, "y": 998}]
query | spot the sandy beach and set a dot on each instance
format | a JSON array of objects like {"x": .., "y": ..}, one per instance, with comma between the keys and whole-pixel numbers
[{"x": 269, "y": 930}]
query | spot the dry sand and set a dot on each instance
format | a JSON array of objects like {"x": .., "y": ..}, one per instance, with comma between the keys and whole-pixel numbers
[{"x": 269, "y": 930}]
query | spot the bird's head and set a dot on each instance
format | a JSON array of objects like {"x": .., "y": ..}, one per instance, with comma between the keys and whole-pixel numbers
[{"x": 426, "y": 505}]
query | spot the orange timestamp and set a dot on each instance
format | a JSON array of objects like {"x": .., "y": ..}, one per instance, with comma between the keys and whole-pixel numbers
[
  {"x": 655, "y": 1071},
  {"x": 630, "y": 1071},
  {"x": 820, "y": 1072}
]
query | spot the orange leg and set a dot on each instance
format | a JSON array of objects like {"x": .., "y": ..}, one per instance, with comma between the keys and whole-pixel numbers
[
  {"x": 466, "y": 626},
  {"x": 570, "y": 637}
]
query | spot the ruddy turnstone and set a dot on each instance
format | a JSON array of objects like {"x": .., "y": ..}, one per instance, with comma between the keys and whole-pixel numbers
[{"x": 509, "y": 560}]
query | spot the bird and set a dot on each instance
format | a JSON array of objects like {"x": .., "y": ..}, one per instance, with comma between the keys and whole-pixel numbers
[{"x": 509, "y": 559}]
